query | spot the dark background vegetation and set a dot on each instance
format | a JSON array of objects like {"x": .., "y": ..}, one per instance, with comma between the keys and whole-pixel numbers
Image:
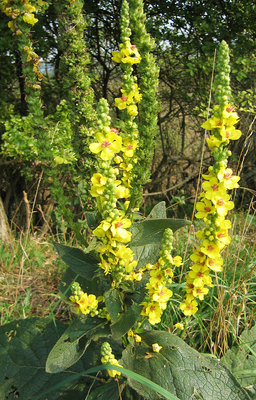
[{"x": 186, "y": 34}]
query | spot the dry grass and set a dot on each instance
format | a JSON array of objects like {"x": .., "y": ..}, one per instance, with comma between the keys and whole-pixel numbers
[{"x": 30, "y": 273}]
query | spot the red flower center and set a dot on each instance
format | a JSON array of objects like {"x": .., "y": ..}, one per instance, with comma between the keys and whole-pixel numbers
[
  {"x": 227, "y": 176},
  {"x": 220, "y": 202},
  {"x": 124, "y": 98},
  {"x": 118, "y": 224},
  {"x": 215, "y": 187},
  {"x": 105, "y": 143},
  {"x": 230, "y": 109},
  {"x": 207, "y": 209},
  {"x": 228, "y": 134}
]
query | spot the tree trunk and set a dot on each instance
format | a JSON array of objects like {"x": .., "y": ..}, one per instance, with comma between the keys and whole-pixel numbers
[{"x": 5, "y": 232}]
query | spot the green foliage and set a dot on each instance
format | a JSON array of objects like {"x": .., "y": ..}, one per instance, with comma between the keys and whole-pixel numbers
[
  {"x": 73, "y": 343},
  {"x": 25, "y": 345},
  {"x": 180, "y": 369},
  {"x": 241, "y": 358},
  {"x": 84, "y": 264}
]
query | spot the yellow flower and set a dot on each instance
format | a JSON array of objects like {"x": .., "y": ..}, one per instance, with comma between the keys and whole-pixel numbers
[
  {"x": 128, "y": 54},
  {"x": 118, "y": 231},
  {"x": 132, "y": 110},
  {"x": 199, "y": 275},
  {"x": 200, "y": 292},
  {"x": 152, "y": 311},
  {"x": 223, "y": 205},
  {"x": 211, "y": 249},
  {"x": 160, "y": 295},
  {"x": 213, "y": 142},
  {"x": 156, "y": 348},
  {"x": 229, "y": 180},
  {"x": 230, "y": 133},
  {"x": 129, "y": 146},
  {"x": 29, "y": 18},
  {"x": 137, "y": 338},
  {"x": 213, "y": 189},
  {"x": 98, "y": 185},
  {"x": 189, "y": 307},
  {"x": 215, "y": 264},
  {"x": 179, "y": 325},
  {"x": 102, "y": 229},
  {"x": 177, "y": 261},
  {"x": 204, "y": 208},
  {"x": 107, "y": 145}
]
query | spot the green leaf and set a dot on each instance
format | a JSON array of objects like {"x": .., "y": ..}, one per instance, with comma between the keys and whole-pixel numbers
[
  {"x": 108, "y": 391},
  {"x": 96, "y": 285},
  {"x": 80, "y": 262},
  {"x": 179, "y": 369},
  {"x": 158, "y": 211},
  {"x": 113, "y": 303},
  {"x": 147, "y": 236},
  {"x": 24, "y": 347},
  {"x": 73, "y": 343},
  {"x": 144, "y": 381},
  {"x": 151, "y": 231},
  {"x": 242, "y": 358},
  {"x": 125, "y": 321}
]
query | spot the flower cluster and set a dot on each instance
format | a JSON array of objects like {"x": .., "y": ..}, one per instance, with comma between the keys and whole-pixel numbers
[
  {"x": 212, "y": 208},
  {"x": 110, "y": 185},
  {"x": 161, "y": 275},
  {"x": 109, "y": 358},
  {"x": 25, "y": 10},
  {"x": 128, "y": 54},
  {"x": 22, "y": 15},
  {"x": 128, "y": 100},
  {"x": 33, "y": 58},
  {"x": 82, "y": 302}
]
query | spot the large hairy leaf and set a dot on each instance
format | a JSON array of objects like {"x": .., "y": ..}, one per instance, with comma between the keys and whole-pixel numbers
[
  {"x": 113, "y": 303},
  {"x": 147, "y": 234},
  {"x": 151, "y": 230},
  {"x": 180, "y": 369},
  {"x": 125, "y": 321},
  {"x": 24, "y": 347},
  {"x": 73, "y": 343},
  {"x": 241, "y": 359},
  {"x": 84, "y": 264}
]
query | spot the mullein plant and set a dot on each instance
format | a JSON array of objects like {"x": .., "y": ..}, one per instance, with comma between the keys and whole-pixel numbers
[
  {"x": 115, "y": 147},
  {"x": 215, "y": 202}
]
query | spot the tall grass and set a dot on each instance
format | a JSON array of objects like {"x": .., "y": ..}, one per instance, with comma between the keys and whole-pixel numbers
[
  {"x": 229, "y": 307},
  {"x": 30, "y": 272}
]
